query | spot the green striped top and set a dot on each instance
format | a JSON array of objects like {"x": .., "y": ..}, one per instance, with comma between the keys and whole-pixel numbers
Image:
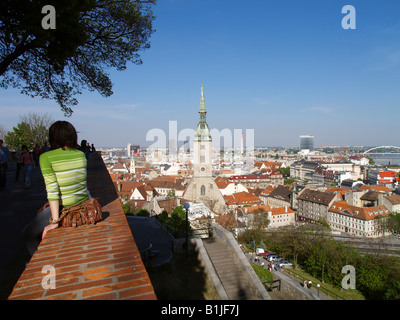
[{"x": 64, "y": 173}]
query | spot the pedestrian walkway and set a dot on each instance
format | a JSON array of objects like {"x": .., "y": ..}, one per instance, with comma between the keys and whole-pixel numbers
[
  {"x": 18, "y": 207},
  {"x": 312, "y": 292}
]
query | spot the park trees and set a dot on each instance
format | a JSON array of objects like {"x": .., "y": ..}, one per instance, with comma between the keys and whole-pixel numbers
[
  {"x": 377, "y": 276},
  {"x": 393, "y": 223},
  {"x": 255, "y": 228},
  {"x": 32, "y": 129}
]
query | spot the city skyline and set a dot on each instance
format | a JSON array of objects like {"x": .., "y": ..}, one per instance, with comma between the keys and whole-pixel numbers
[{"x": 282, "y": 69}]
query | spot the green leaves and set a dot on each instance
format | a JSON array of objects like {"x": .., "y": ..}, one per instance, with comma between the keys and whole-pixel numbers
[
  {"x": 377, "y": 277},
  {"x": 19, "y": 136},
  {"x": 90, "y": 37},
  {"x": 31, "y": 130}
]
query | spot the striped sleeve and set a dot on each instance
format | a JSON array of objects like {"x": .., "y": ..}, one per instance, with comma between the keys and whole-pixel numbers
[{"x": 50, "y": 180}]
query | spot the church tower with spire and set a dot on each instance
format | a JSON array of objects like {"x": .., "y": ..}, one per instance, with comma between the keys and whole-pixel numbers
[
  {"x": 202, "y": 161},
  {"x": 202, "y": 187}
]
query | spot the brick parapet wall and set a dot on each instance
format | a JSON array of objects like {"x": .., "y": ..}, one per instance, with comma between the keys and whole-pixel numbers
[{"x": 90, "y": 262}]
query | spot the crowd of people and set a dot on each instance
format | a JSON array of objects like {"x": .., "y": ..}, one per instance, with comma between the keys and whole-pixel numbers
[
  {"x": 63, "y": 165},
  {"x": 271, "y": 265},
  {"x": 27, "y": 160}
]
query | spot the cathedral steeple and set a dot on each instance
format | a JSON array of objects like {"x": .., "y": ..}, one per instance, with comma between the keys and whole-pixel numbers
[
  {"x": 202, "y": 187},
  {"x": 202, "y": 130},
  {"x": 202, "y": 102}
]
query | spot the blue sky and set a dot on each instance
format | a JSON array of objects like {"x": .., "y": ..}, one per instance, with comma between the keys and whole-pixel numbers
[{"x": 283, "y": 68}]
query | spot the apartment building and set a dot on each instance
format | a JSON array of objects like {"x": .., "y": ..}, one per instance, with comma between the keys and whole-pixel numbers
[
  {"x": 314, "y": 205},
  {"x": 261, "y": 181},
  {"x": 357, "y": 221}
]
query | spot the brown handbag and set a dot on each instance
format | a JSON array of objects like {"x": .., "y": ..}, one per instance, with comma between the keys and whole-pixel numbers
[{"x": 86, "y": 212}]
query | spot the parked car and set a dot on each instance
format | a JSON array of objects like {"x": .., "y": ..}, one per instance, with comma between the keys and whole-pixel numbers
[
  {"x": 262, "y": 252},
  {"x": 266, "y": 257},
  {"x": 274, "y": 257},
  {"x": 284, "y": 263}
]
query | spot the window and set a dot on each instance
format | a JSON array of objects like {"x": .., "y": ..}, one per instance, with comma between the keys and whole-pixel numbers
[{"x": 203, "y": 190}]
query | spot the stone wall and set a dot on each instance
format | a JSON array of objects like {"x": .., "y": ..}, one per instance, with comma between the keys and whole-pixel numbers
[
  {"x": 98, "y": 261},
  {"x": 227, "y": 238}
]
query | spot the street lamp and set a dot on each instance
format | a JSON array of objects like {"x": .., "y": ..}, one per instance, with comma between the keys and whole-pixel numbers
[{"x": 186, "y": 205}]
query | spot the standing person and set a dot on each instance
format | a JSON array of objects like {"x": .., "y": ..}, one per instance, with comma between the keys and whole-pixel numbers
[
  {"x": 27, "y": 160},
  {"x": 4, "y": 158},
  {"x": 84, "y": 148},
  {"x": 36, "y": 154},
  {"x": 20, "y": 163},
  {"x": 45, "y": 147},
  {"x": 65, "y": 176}
]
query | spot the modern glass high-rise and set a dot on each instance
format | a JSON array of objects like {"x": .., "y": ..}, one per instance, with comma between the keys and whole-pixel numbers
[{"x": 307, "y": 142}]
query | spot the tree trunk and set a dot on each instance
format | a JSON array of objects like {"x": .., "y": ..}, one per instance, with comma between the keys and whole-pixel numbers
[{"x": 19, "y": 50}]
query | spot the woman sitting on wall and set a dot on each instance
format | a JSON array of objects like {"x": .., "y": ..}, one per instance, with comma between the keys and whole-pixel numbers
[{"x": 64, "y": 170}]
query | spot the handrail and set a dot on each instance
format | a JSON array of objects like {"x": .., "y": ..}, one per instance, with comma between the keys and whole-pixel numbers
[
  {"x": 272, "y": 282},
  {"x": 147, "y": 249},
  {"x": 324, "y": 290}
]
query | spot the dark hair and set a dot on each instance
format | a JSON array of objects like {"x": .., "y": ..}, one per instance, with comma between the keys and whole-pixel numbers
[{"x": 62, "y": 134}]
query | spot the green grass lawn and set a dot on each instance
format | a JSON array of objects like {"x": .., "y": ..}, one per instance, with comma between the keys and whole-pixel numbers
[{"x": 263, "y": 274}]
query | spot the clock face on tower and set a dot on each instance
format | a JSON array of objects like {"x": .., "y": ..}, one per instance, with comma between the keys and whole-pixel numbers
[{"x": 203, "y": 169}]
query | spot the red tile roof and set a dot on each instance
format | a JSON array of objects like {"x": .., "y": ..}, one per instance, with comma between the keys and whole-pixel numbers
[
  {"x": 394, "y": 199},
  {"x": 255, "y": 209},
  {"x": 387, "y": 174},
  {"x": 375, "y": 187},
  {"x": 242, "y": 198},
  {"x": 367, "y": 213},
  {"x": 281, "y": 210}
]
